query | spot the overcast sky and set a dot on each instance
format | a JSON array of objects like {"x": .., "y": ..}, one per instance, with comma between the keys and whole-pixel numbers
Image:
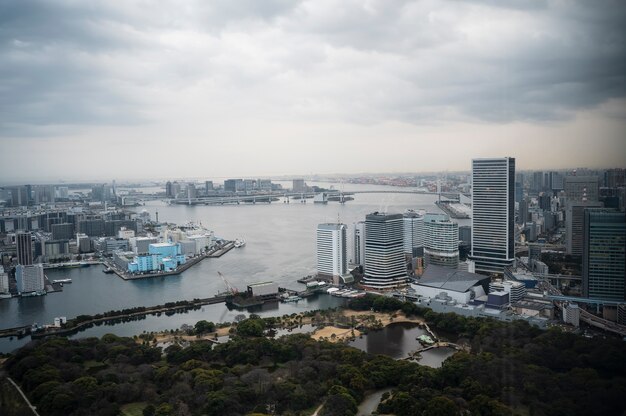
[{"x": 123, "y": 89}]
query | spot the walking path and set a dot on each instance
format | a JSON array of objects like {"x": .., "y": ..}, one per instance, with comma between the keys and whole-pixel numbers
[{"x": 23, "y": 396}]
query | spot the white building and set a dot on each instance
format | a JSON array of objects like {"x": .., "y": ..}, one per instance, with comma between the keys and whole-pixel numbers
[
  {"x": 332, "y": 250},
  {"x": 358, "y": 243},
  {"x": 202, "y": 242},
  {"x": 571, "y": 314},
  {"x": 385, "y": 264},
  {"x": 413, "y": 232},
  {"x": 493, "y": 214},
  {"x": 441, "y": 242},
  {"x": 516, "y": 290},
  {"x": 30, "y": 278},
  {"x": 125, "y": 233},
  {"x": 4, "y": 281}
]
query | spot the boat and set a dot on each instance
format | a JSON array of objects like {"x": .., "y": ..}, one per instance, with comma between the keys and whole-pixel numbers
[
  {"x": 240, "y": 243},
  {"x": 108, "y": 270},
  {"x": 292, "y": 299},
  {"x": 62, "y": 281},
  {"x": 5, "y": 296}
]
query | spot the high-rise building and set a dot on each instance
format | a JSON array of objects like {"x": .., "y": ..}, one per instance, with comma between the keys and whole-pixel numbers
[
  {"x": 522, "y": 216},
  {"x": 604, "y": 254},
  {"x": 581, "y": 188},
  {"x": 441, "y": 241},
  {"x": 20, "y": 195},
  {"x": 493, "y": 214},
  {"x": 413, "y": 233},
  {"x": 298, "y": 185},
  {"x": 62, "y": 231},
  {"x": 168, "y": 189},
  {"x": 191, "y": 191},
  {"x": 537, "y": 183},
  {"x": 233, "y": 185},
  {"x": 574, "y": 215},
  {"x": 614, "y": 178},
  {"x": 332, "y": 250},
  {"x": 385, "y": 265},
  {"x": 24, "y": 245},
  {"x": 556, "y": 181},
  {"x": 30, "y": 278},
  {"x": 358, "y": 241},
  {"x": 208, "y": 186}
]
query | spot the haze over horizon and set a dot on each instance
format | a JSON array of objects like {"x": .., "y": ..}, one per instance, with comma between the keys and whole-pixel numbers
[{"x": 216, "y": 89}]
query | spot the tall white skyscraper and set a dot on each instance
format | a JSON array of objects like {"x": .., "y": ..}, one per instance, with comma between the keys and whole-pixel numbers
[
  {"x": 4, "y": 281},
  {"x": 413, "y": 232},
  {"x": 385, "y": 266},
  {"x": 441, "y": 243},
  {"x": 493, "y": 214},
  {"x": 358, "y": 243},
  {"x": 332, "y": 250}
]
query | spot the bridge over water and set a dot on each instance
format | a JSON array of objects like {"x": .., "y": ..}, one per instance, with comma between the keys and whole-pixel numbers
[{"x": 276, "y": 196}]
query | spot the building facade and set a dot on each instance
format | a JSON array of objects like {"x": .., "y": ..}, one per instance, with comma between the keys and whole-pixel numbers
[
  {"x": 385, "y": 265},
  {"x": 493, "y": 214},
  {"x": 413, "y": 233},
  {"x": 24, "y": 246},
  {"x": 30, "y": 278},
  {"x": 358, "y": 243},
  {"x": 441, "y": 242},
  {"x": 604, "y": 254},
  {"x": 332, "y": 250}
]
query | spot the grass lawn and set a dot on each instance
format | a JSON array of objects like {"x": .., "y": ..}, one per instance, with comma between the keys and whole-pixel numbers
[{"x": 133, "y": 409}]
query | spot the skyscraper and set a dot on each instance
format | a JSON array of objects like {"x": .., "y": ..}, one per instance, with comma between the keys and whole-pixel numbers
[
  {"x": 332, "y": 250},
  {"x": 441, "y": 242},
  {"x": 581, "y": 188},
  {"x": 604, "y": 254},
  {"x": 574, "y": 228},
  {"x": 385, "y": 266},
  {"x": 493, "y": 214},
  {"x": 24, "y": 245},
  {"x": 358, "y": 240},
  {"x": 413, "y": 233}
]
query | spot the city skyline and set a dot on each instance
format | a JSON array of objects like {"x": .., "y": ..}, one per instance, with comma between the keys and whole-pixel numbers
[{"x": 221, "y": 89}]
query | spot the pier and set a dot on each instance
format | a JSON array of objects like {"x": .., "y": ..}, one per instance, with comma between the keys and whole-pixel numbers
[{"x": 214, "y": 253}]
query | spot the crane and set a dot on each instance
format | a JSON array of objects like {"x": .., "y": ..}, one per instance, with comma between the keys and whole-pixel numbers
[{"x": 230, "y": 288}]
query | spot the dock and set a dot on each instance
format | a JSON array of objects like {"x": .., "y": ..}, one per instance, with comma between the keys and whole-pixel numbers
[{"x": 215, "y": 253}]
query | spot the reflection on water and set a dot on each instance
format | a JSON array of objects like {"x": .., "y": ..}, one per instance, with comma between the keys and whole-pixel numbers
[{"x": 397, "y": 340}]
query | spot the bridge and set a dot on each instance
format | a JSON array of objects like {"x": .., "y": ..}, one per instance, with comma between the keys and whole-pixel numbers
[
  {"x": 558, "y": 298},
  {"x": 276, "y": 196}
]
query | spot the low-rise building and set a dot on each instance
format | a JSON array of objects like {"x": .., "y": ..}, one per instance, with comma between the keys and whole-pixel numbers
[
  {"x": 263, "y": 290},
  {"x": 571, "y": 314},
  {"x": 140, "y": 245},
  {"x": 4, "y": 281},
  {"x": 461, "y": 286},
  {"x": 164, "y": 249},
  {"x": 516, "y": 290}
]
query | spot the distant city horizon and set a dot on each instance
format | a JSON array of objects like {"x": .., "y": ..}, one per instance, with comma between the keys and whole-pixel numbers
[{"x": 7, "y": 181}]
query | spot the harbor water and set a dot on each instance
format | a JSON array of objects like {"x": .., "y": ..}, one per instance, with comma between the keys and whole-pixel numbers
[{"x": 280, "y": 247}]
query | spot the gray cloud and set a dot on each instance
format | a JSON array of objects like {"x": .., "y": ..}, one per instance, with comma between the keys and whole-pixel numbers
[{"x": 67, "y": 65}]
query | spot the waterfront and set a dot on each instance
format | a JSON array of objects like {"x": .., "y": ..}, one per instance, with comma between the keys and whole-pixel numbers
[{"x": 280, "y": 247}]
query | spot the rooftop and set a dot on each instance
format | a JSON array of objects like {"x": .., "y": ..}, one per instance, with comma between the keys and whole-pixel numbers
[{"x": 455, "y": 280}]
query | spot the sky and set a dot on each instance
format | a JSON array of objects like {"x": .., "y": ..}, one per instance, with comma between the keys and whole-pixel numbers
[{"x": 158, "y": 89}]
